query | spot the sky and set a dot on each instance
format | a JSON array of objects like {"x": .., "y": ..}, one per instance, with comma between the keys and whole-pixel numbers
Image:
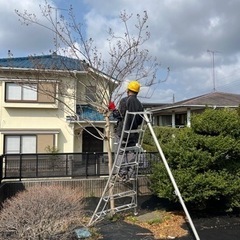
[{"x": 198, "y": 40}]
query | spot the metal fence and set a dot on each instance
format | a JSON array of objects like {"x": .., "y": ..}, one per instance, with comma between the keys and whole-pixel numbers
[{"x": 19, "y": 166}]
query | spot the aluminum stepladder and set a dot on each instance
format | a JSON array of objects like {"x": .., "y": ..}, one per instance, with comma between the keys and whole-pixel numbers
[
  {"x": 124, "y": 194},
  {"x": 109, "y": 194}
]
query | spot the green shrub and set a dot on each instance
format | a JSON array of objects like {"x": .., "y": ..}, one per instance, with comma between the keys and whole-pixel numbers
[
  {"x": 163, "y": 134},
  {"x": 205, "y": 162},
  {"x": 217, "y": 122}
]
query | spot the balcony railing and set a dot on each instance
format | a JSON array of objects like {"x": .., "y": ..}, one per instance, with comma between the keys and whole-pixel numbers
[{"x": 79, "y": 165}]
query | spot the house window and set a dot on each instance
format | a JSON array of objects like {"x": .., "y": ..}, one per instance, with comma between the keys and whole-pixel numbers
[
  {"x": 26, "y": 92},
  {"x": 34, "y": 92},
  {"x": 165, "y": 120},
  {"x": 91, "y": 93},
  {"x": 20, "y": 144},
  {"x": 28, "y": 143},
  {"x": 181, "y": 119}
]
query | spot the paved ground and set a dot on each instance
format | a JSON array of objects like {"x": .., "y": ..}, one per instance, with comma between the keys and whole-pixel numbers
[
  {"x": 123, "y": 231},
  {"x": 215, "y": 227}
]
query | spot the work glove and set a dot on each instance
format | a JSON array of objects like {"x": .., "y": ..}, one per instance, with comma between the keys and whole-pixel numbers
[{"x": 111, "y": 106}]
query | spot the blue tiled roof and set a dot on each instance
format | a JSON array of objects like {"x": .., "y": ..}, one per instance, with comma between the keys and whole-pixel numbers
[{"x": 51, "y": 62}]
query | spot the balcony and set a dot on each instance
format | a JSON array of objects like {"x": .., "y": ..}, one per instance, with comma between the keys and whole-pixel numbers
[{"x": 86, "y": 113}]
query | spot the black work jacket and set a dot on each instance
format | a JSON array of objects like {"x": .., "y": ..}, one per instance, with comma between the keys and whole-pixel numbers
[{"x": 131, "y": 104}]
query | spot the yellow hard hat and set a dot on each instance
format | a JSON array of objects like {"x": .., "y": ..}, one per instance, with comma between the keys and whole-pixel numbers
[{"x": 134, "y": 86}]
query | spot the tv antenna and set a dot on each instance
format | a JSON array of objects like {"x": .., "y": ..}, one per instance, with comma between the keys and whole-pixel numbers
[
  {"x": 56, "y": 23},
  {"x": 213, "y": 67}
]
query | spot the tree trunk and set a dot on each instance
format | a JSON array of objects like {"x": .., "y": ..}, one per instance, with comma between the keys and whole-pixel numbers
[{"x": 110, "y": 159}]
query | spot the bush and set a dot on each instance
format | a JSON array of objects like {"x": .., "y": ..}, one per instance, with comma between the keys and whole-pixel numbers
[
  {"x": 163, "y": 134},
  {"x": 42, "y": 212},
  {"x": 217, "y": 122},
  {"x": 205, "y": 162}
]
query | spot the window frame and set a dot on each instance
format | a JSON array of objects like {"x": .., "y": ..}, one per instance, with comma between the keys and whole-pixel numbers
[
  {"x": 41, "y": 139},
  {"x": 38, "y": 92},
  {"x": 90, "y": 93},
  {"x": 20, "y": 142},
  {"x": 22, "y": 89}
]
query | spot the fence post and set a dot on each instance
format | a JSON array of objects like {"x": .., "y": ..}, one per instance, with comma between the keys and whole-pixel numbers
[
  {"x": 86, "y": 164},
  {"x": 1, "y": 168},
  {"x": 20, "y": 170}
]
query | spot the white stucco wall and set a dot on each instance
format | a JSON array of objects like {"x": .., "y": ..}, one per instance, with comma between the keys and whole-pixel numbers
[{"x": 21, "y": 118}]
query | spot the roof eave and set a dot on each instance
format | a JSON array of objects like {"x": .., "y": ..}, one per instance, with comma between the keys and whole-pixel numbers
[
  {"x": 39, "y": 69},
  {"x": 193, "y": 106}
]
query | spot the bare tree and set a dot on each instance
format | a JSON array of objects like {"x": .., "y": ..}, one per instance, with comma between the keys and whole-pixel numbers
[
  {"x": 105, "y": 76},
  {"x": 42, "y": 212}
]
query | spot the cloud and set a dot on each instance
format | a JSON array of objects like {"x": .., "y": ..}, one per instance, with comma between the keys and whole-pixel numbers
[
  {"x": 181, "y": 33},
  {"x": 20, "y": 39}
]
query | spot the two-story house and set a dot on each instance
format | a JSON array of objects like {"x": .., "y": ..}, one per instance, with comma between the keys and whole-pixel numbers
[{"x": 46, "y": 103}]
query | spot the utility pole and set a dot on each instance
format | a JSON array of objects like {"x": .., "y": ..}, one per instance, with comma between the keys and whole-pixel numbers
[{"x": 213, "y": 68}]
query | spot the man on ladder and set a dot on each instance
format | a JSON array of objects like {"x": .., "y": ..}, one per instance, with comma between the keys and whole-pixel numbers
[{"x": 130, "y": 104}]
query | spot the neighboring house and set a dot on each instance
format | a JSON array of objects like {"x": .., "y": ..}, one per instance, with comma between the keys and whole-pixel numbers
[
  {"x": 179, "y": 114},
  {"x": 43, "y": 104},
  {"x": 149, "y": 106}
]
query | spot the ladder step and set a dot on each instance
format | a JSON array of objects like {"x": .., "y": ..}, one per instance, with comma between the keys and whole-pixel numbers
[
  {"x": 127, "y": 164},
  {"x": 134, "y": 131},
  {"x": 130, "y": 164},
  {"x": 116, "y": 209},
  {"x": 133, "y": 148},
  {"x": 125, "y": 207},
  {"x": 129, "y": 193}
]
